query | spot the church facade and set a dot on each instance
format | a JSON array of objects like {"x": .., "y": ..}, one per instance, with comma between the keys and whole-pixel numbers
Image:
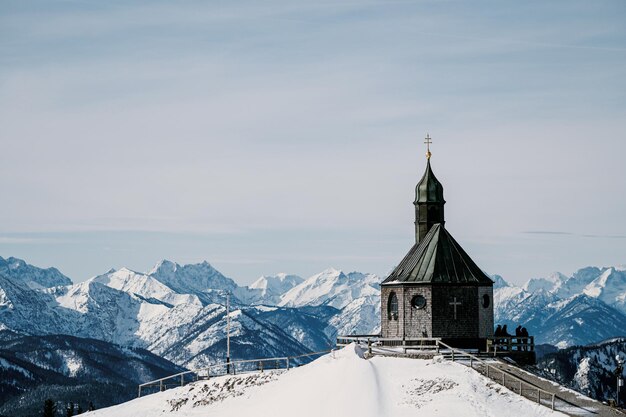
[{"x": 436, "y": 291}]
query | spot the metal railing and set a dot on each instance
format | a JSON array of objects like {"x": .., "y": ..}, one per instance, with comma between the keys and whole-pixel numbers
[
  {"x": 374, "y": 345},
  {"x": 375, "y": 341},
  {"x": 492, "y": 371},
  {"x": 510, "y": 344},
  {"x": 233, "y": 367}
]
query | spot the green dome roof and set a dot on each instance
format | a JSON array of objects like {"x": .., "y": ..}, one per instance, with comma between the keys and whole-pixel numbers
[{"x": 429, "y": 189}]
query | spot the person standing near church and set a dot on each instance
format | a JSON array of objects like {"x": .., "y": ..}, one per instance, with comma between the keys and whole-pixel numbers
[
  {"x": 518, "y": 334},
  {"x": 525, "y": 336}
]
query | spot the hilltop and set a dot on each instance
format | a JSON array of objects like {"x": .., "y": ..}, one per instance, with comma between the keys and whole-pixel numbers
[{"x": 340, "y": 383}]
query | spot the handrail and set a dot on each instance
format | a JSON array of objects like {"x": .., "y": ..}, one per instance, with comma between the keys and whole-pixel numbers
[
  {"x": 487, "y": 367},
  {"x": 286, "y": 359},
  {"x": 520, "y": 343},
  {"x": 439, "y": 344}
]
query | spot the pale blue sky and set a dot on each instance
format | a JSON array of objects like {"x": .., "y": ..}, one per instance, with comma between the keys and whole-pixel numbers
[{"x": 287, "y": 135}]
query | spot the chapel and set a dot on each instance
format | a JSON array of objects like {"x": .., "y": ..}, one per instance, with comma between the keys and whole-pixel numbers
[{"x": 437, "y": 290}]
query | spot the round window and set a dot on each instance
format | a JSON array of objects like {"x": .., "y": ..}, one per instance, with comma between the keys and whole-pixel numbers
[
  {"x": 486, "y": 300},
  {"x": 418, "y": 301}
]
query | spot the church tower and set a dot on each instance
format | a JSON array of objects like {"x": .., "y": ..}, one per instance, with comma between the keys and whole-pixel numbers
[
  {"x": 436, "y": 291},
  {"x": 428, "y": 200}
]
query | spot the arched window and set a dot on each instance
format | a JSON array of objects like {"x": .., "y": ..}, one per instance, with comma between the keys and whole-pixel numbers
[
  {"x": 392, "y": 306},
  {"x": 486, "y": 300}
]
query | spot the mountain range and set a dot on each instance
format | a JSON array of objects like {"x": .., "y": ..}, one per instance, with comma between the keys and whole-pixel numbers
[
  {"x": 585, "y": 308},
  {"x": 178, "y": 312}
]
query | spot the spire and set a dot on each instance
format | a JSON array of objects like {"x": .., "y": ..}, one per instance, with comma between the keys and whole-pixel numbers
[
  {"x": 428, "y": 199},
  {"x": 428, "y": 141}
]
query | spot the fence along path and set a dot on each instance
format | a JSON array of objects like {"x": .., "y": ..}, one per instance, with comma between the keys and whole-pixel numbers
[
  {"x": 226, "y": 368},
  {"x": 515, "y": 379}
]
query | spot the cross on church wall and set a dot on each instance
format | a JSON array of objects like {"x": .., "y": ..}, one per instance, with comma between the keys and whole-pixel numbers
[{"x": 455, "y": 303}]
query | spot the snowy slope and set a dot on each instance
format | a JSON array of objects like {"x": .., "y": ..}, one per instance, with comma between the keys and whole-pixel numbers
[
  {"x": 70, "y": 368},
  {"x": 586, "y": 369},
  {"x": 30, "y": 275},
  {"x": 361, "y": 316},
  {"x": 202, "y": 342},
  {"x": 342, "y": 383},
  {"x": 609, "y": 287}
]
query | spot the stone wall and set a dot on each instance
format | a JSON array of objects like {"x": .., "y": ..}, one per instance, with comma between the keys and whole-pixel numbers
[
  {"x": 485, "y": 314},
  {"x": 389, "y": 326},
  {"x": 418, "y": 321},
  {"x": 436, "y": 318},
  {"x": 466, "y": 323}
]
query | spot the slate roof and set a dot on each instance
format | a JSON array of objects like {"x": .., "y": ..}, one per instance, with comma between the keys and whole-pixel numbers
[{"x": 437, "y": 259}]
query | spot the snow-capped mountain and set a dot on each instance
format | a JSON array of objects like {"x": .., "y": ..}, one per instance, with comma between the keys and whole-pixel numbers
[
  {"x": 609, "y": 287},
  {"x": 331, "y": 287},
  {"x": 68, "y": 368},
  {"x": 144, "y": 285},
  {"x": 32, "y": 276},
  {"x": 552, "y": 283},
  {"x": 202, "y": 280},
  {"x": 269, "y": 289}
]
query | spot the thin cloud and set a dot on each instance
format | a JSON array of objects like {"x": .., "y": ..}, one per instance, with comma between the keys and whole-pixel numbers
[{"x": 548, "y": 232}]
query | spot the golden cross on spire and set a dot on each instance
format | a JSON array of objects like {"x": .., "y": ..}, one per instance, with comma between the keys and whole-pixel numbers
[{"x": 428, "y": 141}]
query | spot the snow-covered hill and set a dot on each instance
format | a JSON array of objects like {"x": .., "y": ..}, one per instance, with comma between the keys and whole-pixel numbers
[{"x": 338, "y": 384}]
